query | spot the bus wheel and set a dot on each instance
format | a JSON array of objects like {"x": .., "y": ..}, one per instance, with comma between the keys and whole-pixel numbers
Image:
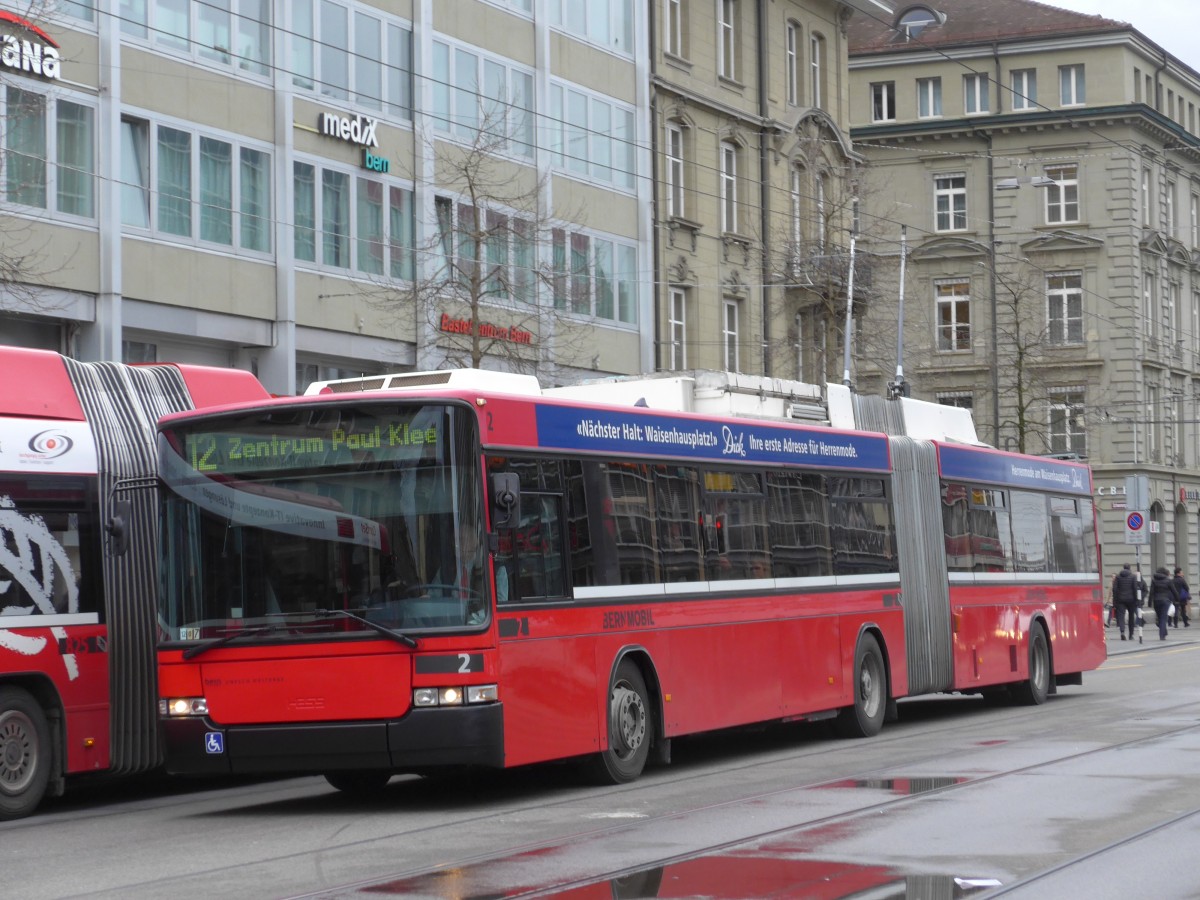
[
  {"x": 25, "y": 753},
  {"x": 359, "y": 782},
  {"x": 865, "y": 717},
  {"x": 630, "y": 730},
  {"x": 1034, "y": 691}
]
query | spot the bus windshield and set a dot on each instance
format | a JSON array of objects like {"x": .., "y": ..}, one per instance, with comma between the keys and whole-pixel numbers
[{"x": 307, "y": 520}]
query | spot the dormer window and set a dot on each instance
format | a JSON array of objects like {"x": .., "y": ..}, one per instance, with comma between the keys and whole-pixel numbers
[{"x": 913, "y": 21}]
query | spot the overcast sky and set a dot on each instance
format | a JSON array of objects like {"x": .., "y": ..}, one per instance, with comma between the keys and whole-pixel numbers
[{"x": 1172, "y": 24}]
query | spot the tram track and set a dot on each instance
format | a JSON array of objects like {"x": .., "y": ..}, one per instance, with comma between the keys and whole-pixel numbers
[{"x": 558, "y": 820}]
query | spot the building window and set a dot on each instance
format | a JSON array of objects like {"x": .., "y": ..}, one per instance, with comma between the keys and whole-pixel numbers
[
  {"x": 729, "y": 337},
  {"x": 368, "y": 229},
  {"x": 916, "y": 20},
  {"x": 673, "y": 27},
  {"x": 1067, "y": 429},
  {"x": 798, "y": 345},
  {"x": 821, "y": 223},
  {"x": 796, "y": 199},
  {"x": 503, "y": 245},
  {"x": 953, "y": 315},
  {"x": 606, "y": 23},
  {"x": 727, "y": 38},
  {"x": 883, "y": 101},
  {"x": 1149, "y": 303},
  {"x": 1194, "y": 219},
  {"x": 1147, "y": 196},
  {"x": 792, "y": 63},
  {"x": 1169, "y": 207},
  {"x": 594, "y": 276},
  {"x": 50, "y": 153},
  {"x": 591, "y": 136},
  {"x": 1062, "y": 197},
  {"x": 677, "y": 328},
  {"x": 351, "y": 56},
  {"x": 1064, "y": 307},
  {"x": 729, "y": 176},
  {"x": 816, "y": 65},
  {"x": 477, "y": 98},
  {"x": 204, "y": 187},
  {"x": 1072, "y": 89},
  {"x": 957, "y": 399},
  {"x": 950, "y": 202},
  {"x": 1154, "y": 425},
  {"x": 1024, "y": 89},
  {"x": 929, "y": 97},
  {"x": 975, "y": 94},
  {"x": 234, "y": 33},
  {"x": 675, "y": 171}
]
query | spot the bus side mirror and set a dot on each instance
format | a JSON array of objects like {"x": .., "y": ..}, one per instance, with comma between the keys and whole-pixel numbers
[
  {"x": 117, "y": 526},
  {"x": 506, "y": 498}
]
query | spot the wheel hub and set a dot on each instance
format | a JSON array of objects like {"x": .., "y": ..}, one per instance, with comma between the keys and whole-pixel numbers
[
  {"x": 16, "y": 752},
  {"x": 629, "y": 719}
]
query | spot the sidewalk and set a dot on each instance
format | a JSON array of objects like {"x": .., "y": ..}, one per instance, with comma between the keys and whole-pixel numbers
[{"x": 1180, "y": 635}]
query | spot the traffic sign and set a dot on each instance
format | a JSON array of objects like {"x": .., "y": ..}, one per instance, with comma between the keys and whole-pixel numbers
[{"x": 1136, "y": 531}]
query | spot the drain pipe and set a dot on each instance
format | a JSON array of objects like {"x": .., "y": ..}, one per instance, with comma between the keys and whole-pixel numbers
[{"x": 763, "y": 186}]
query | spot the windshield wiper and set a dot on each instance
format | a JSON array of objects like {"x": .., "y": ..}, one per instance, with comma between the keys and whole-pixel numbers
[
  {"x": 396, "y": 636},
  {"x": 193, "y": 652}
]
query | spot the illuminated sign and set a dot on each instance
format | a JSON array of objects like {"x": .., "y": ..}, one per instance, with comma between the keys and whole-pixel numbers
[
  {"x": 510, "y": 333},
  {"x": 358, "y": 130},
  {"x": 37, "y": 57}
]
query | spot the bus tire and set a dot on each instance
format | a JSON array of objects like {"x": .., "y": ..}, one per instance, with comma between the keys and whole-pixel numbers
[
  {"x": 1034, "y": 691},
  {"x": 630, "y": 729},
  {"x": 26, "y": 756},
  {"x": 865, "y": 717},
  {"x": 359, "y": 782}
]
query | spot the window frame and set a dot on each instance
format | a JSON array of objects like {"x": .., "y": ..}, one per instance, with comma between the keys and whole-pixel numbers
[
  {"x": 728, "y": 195},
  {"x": 674, "y": 170},
  {"x": 791, "y": 55},
  {"x": 1072, "y": 85},
  {"x": 52, "y": 171},
  {"x": 951, "y": 194},
  {"x": 954, "y": 334},
  {"x": 1063, "y": 195},
  {"x": 146, "y": 23},
  {"x": 1024, "y": 94},
  {"x": 1066, "y": 429},
  {"x": 1059, "y": 315},
  {"x": 727, "y": 39},
  {"x": 929, "y": 98},
  {"x": 977, "y": 94},
  {"x": 577, "y": 143},
  {"x": 883, "y": 101},
  {"x": 677, "y": 329},
  {"x": 730, "y": 327}
]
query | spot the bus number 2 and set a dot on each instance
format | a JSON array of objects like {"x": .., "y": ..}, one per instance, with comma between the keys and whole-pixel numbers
[{"x": 466, "y": 662}]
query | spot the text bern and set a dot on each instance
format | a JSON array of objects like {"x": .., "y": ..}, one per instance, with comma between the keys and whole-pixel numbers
[{"x": 358, "y": 130}]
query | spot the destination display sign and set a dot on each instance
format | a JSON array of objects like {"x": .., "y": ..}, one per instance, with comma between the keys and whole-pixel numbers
[
  {"x": 628, "y": 433},
  {"x": 246, "y": 447}
]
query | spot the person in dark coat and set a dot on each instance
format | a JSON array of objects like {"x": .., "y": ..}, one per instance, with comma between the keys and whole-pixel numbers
[
  {"x": 1185, "y": 595},
  {"x": 1162, "y": 594},
  {"x": 1126, "y": 599}
]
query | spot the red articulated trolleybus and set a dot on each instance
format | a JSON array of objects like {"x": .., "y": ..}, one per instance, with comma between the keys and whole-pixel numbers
[
  {"x": 78, "y": 557},
  {"x": 412, "y": 573}
]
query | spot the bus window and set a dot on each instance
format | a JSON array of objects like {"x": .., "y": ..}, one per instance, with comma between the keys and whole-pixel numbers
[
  {"x": 631, "y": 513},
  {"x": 736, "y": 527},
  {"x": 1067, "y": 536},
  {"x": 991, "y": 532},
  {"x": 538, "y": 549},
  {"x": 864, "y": 537},
  {"x": 1030, "y": 530},
  {"x": 677, "y": 501},
  {"x": 47, "y": 549},
  {"x": 799, "y": 528}
]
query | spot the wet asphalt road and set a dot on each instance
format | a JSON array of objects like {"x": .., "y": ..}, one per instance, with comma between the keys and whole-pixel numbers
[{"x": 1096, "y": 794}]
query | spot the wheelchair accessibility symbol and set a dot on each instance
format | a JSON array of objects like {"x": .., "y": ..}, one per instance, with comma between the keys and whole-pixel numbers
[{"x": 214, "y": 742}]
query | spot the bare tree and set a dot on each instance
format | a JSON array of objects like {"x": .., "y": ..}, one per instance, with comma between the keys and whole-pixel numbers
[
  {"x": 496, "y": 276},
  {"x": 808, "y": 264}
]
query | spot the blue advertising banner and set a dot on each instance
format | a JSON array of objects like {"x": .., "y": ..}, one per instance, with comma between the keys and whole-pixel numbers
[
  {"x": 994, "y": 467},
  {"x": 621, "y": 433}
]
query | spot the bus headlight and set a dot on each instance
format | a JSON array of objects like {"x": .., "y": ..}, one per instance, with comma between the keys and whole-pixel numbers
[
  {"x": 455, "y": 695},
  {"x": 176, "y": 707}
]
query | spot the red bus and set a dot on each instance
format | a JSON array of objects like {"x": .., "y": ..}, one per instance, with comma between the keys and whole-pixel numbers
[
  {"x": 78, "y": 555},
  {"x": 374, "y": 581}
]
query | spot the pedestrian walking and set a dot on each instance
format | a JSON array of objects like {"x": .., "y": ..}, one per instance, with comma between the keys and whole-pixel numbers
[
  {"x": 1126, "y": 598},
  {"x": 1185, "y": 596},
  {"x": 1163, "y": 594}
]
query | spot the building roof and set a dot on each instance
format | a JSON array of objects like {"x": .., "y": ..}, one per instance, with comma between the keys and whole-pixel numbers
[{"x": 956, "y": 22}]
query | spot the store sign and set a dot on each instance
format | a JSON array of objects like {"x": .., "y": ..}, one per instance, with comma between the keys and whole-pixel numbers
[
  {"x": 375, "y": 163},
  {"x": 1186, "y": 494},
  {"x": 359, "y": 130},
  {"x": 37, "y": 57},
  {"x": 510, "y": 333}
]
